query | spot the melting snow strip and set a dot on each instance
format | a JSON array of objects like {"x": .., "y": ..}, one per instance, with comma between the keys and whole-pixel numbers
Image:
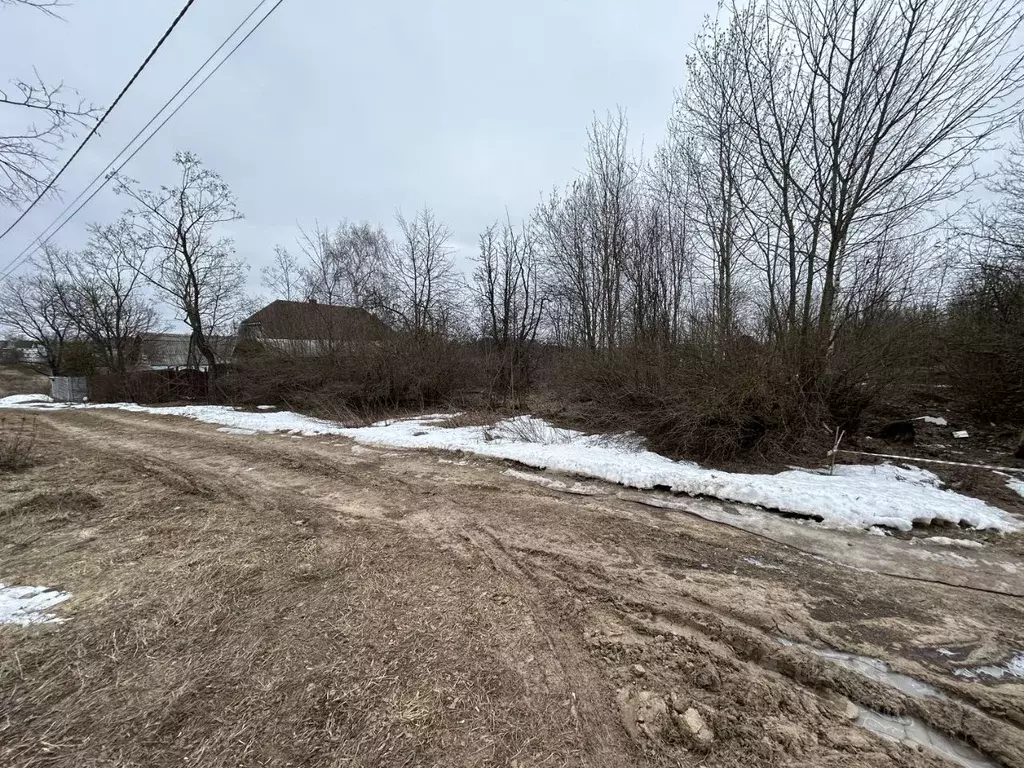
[
  {"x": 945, "y": 541},
  {"x": 852, "y": 497},
  {"x": 555, "y": 485}
]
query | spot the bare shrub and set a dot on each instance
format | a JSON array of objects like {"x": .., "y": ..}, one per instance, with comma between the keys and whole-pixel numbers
[
  {"x": 17, "y": 441},
  {"x": 150, "y": 387},
  {"x": 722, "y": 399},
  {"x": 526, "y": 429},
  {"x": 359, "y": 381},
  {"x": 985, "y": 343}
]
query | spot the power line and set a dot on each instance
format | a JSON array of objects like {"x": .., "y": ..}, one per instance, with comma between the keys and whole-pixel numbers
[
  {"x": 104, "y": 116},
  {"x": 46, "y": 233},
  {"x": 33, "y": 246}
]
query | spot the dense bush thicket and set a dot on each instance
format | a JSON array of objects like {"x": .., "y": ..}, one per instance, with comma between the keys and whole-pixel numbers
[
  {"x": 986, "y": 343},
  {"x": 401, "y": 372}
]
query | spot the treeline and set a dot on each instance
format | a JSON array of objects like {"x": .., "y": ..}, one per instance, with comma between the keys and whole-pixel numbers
[
  {"x": 804, "y": 241},
  {"x": 798, "y": 246}
]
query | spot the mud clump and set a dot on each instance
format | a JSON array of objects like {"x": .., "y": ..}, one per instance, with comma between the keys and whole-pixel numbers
[
  {"x": 643, "y": 713},
  {"x": 696, "y": 732}
]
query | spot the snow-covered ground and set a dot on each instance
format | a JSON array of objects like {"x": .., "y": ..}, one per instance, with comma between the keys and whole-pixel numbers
[
  {"x": 852, "y": 497},
  {"x": 26, "y": 605}
]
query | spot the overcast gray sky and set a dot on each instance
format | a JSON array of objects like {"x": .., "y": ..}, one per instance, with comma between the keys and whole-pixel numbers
[{"x": 350, "y": 110}]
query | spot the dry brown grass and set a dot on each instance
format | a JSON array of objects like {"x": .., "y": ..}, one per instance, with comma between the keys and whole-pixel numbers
[
  {"x": 17, "y": 379},
  {"x": 212, "y": 627},
  {"x": 17, "y": 443}
]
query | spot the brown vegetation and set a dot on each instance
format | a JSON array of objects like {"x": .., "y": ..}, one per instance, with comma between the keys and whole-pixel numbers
[{"x": 17, "y": 443}]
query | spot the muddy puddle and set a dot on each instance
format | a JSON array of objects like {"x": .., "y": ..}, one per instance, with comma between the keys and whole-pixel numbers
[
  {"x": 912, "y": 731},
  {"x": 905, "y": 729}
]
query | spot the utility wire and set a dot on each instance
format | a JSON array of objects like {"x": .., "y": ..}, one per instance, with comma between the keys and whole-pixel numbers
[
  {"x": 32, "y": 247},
  {"x": 103, "y": 117},
  {"x": 46, "y": 233}
]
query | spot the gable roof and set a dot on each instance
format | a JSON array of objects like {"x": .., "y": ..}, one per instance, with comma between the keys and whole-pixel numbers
[{"x": 302, "y": 320}]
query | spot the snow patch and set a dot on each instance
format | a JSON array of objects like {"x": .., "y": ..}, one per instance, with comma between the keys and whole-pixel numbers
[
  {"x": 904, "y": 474},
  {"x": 265, "y": 407},
  {"x": 555, "y": 485},
  {"x": 1015, "y": 485},
  {"x": 936, "y": 420},
  {"x": 1013, "y": 667},
  {"x": 25, "y": 605},
  {"x": 945, "y": 541},
  {"x": 15, "y": 400},
  {"x": 237, "y": 431},
  {"x": 763, "y": 565},
  {"x": 852, "y": 497}
]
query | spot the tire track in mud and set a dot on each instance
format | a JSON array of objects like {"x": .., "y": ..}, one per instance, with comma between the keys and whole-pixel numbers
[
  {"x": 710, "y": 631},
  {"x": 554, "y": 620}
]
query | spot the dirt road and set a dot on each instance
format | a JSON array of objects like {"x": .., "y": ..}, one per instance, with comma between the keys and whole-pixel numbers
[{"x": 274, "y": 601}]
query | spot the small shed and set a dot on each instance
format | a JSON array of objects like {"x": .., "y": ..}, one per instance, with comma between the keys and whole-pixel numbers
[{"x": 69, "y": 389}]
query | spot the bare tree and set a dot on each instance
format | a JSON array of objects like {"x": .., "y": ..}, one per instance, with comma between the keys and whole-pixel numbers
[
  {"x": 993, "y": 234},
  {"x": 825, "y": 126},
  {"x": 564, "y": 221},
  {"x": 705, "y": 132},
  {"x": 985, "y": 318},
  {"x": 31, "y": 306},
  {"x": 51, "y": 113},
  {"x": 102, "y": 293},
  {"x": 46, "y": 6},
  {"x": 419, "y": 290},
  {"x": 360, "y": 251},
  {"x": 283, "y": 275},
  {"x": 904, "y": 94},
  {"x": 343, "y": 266},
  {"x": 180, "y": 254},
  {"x": 510, "y": 297},
  {"x": 618, "y": 246},
  {"x": 587, "y": 235},
  {"x": 320, "y": 276}
]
